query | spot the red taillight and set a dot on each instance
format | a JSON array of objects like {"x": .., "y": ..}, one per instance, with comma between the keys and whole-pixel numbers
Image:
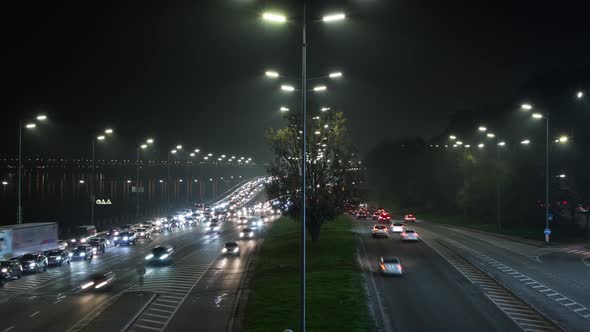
[{"x": 388, "y": 218}]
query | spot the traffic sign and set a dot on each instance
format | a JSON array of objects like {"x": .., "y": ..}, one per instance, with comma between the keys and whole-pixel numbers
[{"x": 547, "y": 232}]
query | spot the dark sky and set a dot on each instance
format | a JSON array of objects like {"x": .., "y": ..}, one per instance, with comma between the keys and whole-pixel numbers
[{"x": 191, "y": 71}]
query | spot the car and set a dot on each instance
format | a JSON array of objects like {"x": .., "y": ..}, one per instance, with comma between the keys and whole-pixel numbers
[
  {"x": 246, "y": 233},
  {"x": 98, "y": 282},
  {"x": 255, "y": 222},
  {"x": 62, "y": 244},
  {"x": 33, "y": 263},
  {"x": 143, "y": 233},
  {"x": 375, "y": 215},
  {"x": 384, "y": 217},
  {"x": 11, "y": 269},
  {"x": 397, "y": 227},
  {"x": 409, "y": 235},
  {"x": 390, "y": 266},
  {"x": 124, "y": 238},
  {"x": 231, "y": 248},
  {"x": 352, "y": 211},
  {"x": 99, "y": 245},
  {"x": 160, "y": 254},
  {"x": 126, "y": 228},
  {"x": 58, "y": 257},
  {"x": 409, "y": 217},
  {"x": 83, "y": 252},
  {"x": 213, "y": 228},
  {"x": 242, "y": 220},
  {"x": 379, "y": 231},
  {"x": 361, "y": 214}
]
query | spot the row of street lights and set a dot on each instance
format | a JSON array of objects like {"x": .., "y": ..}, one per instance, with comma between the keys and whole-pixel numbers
[{"x": 562, "y": 139}]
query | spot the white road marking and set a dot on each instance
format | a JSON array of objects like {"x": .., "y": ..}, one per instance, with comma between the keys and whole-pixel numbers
[
  {"x": 34, "y": 314},
  {"x": 8, "y": 328}
]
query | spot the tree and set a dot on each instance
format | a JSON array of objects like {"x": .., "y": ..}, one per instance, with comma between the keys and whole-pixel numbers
[{"x": 333, "y": 174}]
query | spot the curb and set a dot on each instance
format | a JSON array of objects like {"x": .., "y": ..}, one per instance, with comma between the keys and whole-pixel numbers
[{"x": 242, "y": 296}]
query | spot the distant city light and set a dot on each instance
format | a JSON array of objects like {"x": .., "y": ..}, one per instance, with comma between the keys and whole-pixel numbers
[
  {"x": 319, "y": 88},
  {"x": 4, "y": 183},
  {"x": 41, "y": 117},
  {"x": 526, "y": 107},
  {"x": 284, "y": 109},
  {"x": 335, "y": 75},
  {"x": 452, "y": 137},
  {"x": 30, "y": 125},
  {"x": 580, "y": 94},
  {"x": 108, "y": 131},
  {"x": 150, "y": 141},
  {"x": 482, "y": 128},
  {"x": 271, "y": 73},
  {"x": 490, "y": 135},
  {"x": 563, "y": 139},
  {"x": 100, "y": 138},
  {"x": 81, "y": 181},
  {"x": 537, "y": 115},
  {"x": 480, "y": 145},
  {"x": 501, "y": 143},
  {"x": 288, "y": 88},
  {"x": 525, "y": 142},
  {"x": 144, "y": 146}
]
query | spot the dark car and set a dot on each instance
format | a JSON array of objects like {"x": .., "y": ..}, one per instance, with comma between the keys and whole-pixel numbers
[
  {"x": 214, "y": 227},
  {"x": 124, "y": 238},
  {"x": 58, "y": 257},
  {"x": 83, "y": 252},
  {"x": 99, "y": 245},
  {"x": 11, "y": 269},
  {"x": 160, "y": 254},
  {"x": 33, "y": 263},
  {"x": 361, "y": 214},
  {"x": 98, "y": 282},
  {"x": 231, "y": 248}
]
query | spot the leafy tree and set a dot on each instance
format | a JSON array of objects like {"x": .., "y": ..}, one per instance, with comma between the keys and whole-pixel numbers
[{"x": 332, "y": 173}]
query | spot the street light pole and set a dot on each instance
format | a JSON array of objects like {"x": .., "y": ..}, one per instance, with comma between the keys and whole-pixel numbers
[
  {"x": 92, "y": 195},
  {"x": 137, "y": 185},
  {"x": 303, "y": 167},
  {"x": 547, "y": 169},
  {"x": 19, "y": 212}
]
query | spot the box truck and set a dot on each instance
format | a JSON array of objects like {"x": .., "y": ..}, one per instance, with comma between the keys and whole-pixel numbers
[{"x": 17, "y": 240}]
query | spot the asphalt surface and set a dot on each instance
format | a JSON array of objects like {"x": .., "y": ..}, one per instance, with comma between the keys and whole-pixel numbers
[
  {"x": 52, "y": 300},
  {"x": 431, "y": 295},
  {"x": 553, "y": 279}
]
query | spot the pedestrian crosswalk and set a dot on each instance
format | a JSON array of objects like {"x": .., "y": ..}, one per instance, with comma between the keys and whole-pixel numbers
[{"x": 172, "y": 284}]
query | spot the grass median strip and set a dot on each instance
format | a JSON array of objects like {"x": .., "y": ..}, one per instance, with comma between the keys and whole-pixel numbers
[{"x": 336, "y": 297}]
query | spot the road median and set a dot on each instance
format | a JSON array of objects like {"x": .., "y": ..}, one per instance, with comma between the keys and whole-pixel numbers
[{"x": 336, "y": 296}]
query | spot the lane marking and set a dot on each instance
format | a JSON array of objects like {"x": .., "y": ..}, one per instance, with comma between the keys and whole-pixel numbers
[
  {"x": 34, "y": 314},
  {"x": 9, "y": 328}
]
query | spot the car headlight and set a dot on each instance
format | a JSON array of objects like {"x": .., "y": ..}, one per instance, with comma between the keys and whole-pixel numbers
[
  {"x": 150, "y": 256},
  {"x": 58, "y": 258},
  {"x": 163, "y": 257},
  {"x": 116, "y": 233},
  {"x": 224, "y": 250},
  {"x": 32, "y": 265},
  {"x": 83, "y": 240},
  {"x": 251, "y": 233},
  {"x": 125, "y": 238},
  {"x": 116, "y": 238},
  {"x": 82, "y": 254},
  {"x": 73, "y": 240},
  {"x": 241, "y": 234},
  {"x": 86, "y": 285},
  {"x": 142, "y": 233},
  {"x": 4, "y": 270},
  {"x": 236, "y": 249},
  {"x": 93, "y": 250},
  {"x": 70, "y": 254}
]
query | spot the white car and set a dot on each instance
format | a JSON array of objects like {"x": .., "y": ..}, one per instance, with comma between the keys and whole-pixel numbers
[
  {"x": 391, "y": 266},
  {"x": 397, "y": 227},
  {"x": 409, "y": 235},
  {"x": 379, "y": 230}
]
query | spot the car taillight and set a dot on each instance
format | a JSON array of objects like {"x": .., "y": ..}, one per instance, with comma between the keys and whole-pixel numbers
[{"x": 398, "y": 266}]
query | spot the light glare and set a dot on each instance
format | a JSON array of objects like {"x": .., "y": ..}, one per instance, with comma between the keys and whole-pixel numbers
[{"x": 334, "y": 17}]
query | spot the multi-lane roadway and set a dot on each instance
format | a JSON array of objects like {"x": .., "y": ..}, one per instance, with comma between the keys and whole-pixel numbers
[
  {"x": 198, "y": 277},
  {"x": 458, "y": 279}
]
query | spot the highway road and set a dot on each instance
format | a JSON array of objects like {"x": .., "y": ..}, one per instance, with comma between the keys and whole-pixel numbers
[
  {"x": 199, "y": 277},
  {"x": 439, "y": 291},
  {"x": 552, "y": 279}
]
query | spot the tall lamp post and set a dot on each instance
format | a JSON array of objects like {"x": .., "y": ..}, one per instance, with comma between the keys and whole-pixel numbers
[
  {"x": 99, "y": 138},
  {"x": 279, "y": 18},
  {"x": 29, "y": 126},
  {"x": 138, "y": 188},
  {"x": 170, "y": 153},
  {"x": 188, "y": 183},
  {"x": 546, "y": 117}
]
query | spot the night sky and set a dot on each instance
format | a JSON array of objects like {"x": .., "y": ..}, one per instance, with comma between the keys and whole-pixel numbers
[{"x": 191, "y": 72}]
